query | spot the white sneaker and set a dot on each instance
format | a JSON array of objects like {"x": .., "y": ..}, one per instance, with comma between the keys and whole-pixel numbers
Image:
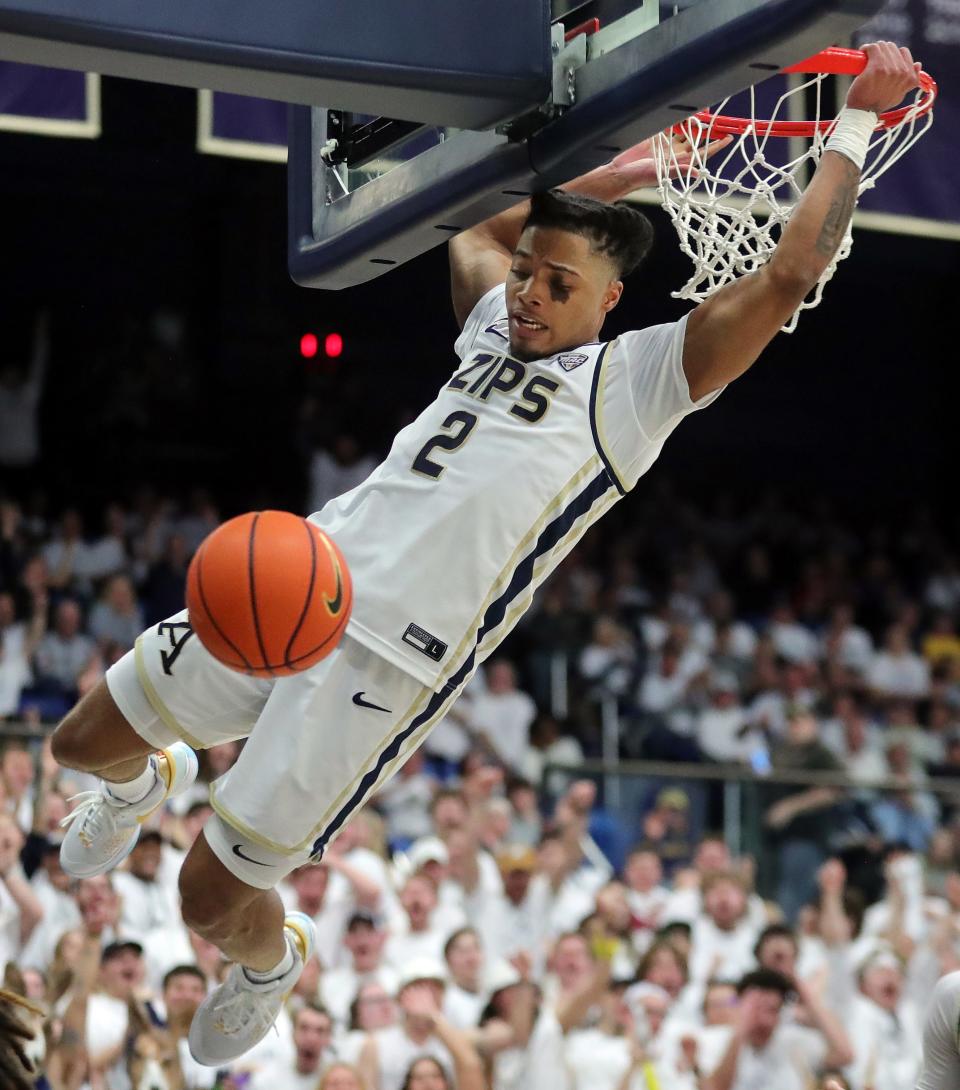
[
  {"x": 232, "y": 1019},
  {"x": 102, "y": 830}
]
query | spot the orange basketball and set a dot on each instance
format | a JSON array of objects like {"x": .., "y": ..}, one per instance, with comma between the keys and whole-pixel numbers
[{"x": 269, "y": 594}]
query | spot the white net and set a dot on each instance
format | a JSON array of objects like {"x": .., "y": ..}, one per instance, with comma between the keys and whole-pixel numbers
[{"x": 729, "y": 210}]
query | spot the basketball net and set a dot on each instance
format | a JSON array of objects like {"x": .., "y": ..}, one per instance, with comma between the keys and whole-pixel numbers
[{"x": 729, "y": 210}]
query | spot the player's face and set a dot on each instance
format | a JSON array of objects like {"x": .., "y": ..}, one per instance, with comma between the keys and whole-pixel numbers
[{"x": 558, "y": 293}]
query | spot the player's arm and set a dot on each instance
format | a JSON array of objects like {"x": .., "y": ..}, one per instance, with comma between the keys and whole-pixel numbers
[
  {"x": 728, "y": 331},
  {"x": 480, "y": 257}
]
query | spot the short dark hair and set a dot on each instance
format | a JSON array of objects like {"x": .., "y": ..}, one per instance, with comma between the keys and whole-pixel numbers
[
  {"x": 314, "y": 1007},
  {"x": 184, "y": 970},
  {"x": 619, "y": 231},
  {"x": 775, "y": 931},
  {"x": 766, "y": 980},
  {"x": 458, "y": 934}
]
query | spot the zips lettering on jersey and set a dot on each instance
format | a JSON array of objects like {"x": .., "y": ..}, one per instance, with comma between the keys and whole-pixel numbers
[{"x": 503, "y": 374}]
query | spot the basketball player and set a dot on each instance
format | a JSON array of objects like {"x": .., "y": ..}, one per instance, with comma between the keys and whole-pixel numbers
[{"x": 540, "y": 430}]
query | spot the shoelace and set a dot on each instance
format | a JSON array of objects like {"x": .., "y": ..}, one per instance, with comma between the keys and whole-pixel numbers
[{"x": 90, "y": 808}]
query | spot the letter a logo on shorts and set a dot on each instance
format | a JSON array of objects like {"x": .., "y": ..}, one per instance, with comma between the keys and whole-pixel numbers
[{"x": 177, "y": 632}]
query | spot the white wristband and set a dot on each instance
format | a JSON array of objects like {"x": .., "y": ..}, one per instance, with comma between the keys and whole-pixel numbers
[{"x": 851, "y": 134}]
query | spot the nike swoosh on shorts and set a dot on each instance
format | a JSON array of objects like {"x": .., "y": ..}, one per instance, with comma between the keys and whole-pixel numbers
[
  {"x": 239, "y": 853},
  {"x": 361, "y": 703}
]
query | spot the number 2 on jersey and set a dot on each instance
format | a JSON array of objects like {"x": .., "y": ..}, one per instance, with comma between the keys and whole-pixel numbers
[{"x": 458, "y": 426}]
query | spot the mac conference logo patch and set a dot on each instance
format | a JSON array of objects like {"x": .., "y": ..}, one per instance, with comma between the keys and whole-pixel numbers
[{"x": 569, "y": 362}]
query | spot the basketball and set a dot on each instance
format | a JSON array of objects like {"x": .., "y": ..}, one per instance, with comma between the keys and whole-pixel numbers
[{"x": 269, "y": 594}]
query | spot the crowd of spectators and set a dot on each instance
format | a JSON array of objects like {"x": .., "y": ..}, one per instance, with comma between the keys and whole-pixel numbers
[{"x": 490, "y": 920}]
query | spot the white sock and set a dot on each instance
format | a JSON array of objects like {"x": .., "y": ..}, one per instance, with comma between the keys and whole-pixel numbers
[
  {"x": 136, "y": 789},
  {"x": 283, "y": 966}
]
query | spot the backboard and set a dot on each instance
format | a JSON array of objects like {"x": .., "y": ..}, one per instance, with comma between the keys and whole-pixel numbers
[{"x": 368, "y": 193}]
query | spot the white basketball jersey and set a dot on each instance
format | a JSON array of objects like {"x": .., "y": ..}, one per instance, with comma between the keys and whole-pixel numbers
[{"x": 491, "y": 486}]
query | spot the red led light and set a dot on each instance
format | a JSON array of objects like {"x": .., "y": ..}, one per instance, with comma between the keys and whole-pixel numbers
[
  {"x": 333, "y": 345},
  {"x": 308, "y": 345}
]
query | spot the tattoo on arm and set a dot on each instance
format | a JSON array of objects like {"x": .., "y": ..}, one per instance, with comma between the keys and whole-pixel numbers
[{"x": 839, "y": 213}]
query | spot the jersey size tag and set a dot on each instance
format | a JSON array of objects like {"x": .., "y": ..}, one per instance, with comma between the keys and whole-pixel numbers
[{"x": 424, "y": 642}]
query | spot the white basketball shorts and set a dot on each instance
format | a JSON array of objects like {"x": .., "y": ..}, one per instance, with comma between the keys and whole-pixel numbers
[{"x": 318, "y": 743}]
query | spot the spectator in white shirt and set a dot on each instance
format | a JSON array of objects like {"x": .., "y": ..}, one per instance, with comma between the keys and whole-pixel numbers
[
  {"x": 310, "y": 886},
  {"x": 724, "y": 732},
  {"x": 571, "y": 964},
  {"x": 374, "y": 1008},
  {"x": 740, "y": 640},
  {"x": 417, "y": 936},
  {"x": 500, "y": 717},
  {"x": 64, "y": 653},
  {"x": 20, "y": 908},
  {"x": 312, "y": 1051},
  {"x": 158, "y": 1055},
  {"x": 364, "y": 938},
  {"x": 549, "y": 746},
  {"x": 723, "y": 937},
  {"x": 19, "y": 775},
  {"x": 897, "y": 670},
  {"x": 885, "y": 1027},
  {"x": 771, "y": 708},
  {"x": 116, "y": 618},
  {"x": 845, "y": 643},
  {"x": 600, "y": 1056},
  {"x": 565, "y": 889},
  {"x": 18, "y": 641},
  {"x": 107, "y": 555},
  {"x": 665, "y": 966},
  {"x": 514, "y": 921},
  {"x": 464, "y": 997},
  {"x": 792, "y": 640},
  {"x": 147, "y": 904},
  {"x": 647, "y": 896},
  {"x": 664, "y": 688},
  {"x": 104, "y": 983},
  {"x": 66, "y": 555},
  {"x": 851, "y": 736},
  {"x": 763, "y": 1050},
  {"x": 608, "y": 662},
  {"x": 52, "y": 886},
  {"x": 387, "y": 1054},
  {"x": 526, "y": 824}
]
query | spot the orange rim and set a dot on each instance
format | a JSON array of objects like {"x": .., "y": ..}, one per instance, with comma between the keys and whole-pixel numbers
[{"x": 834, "y": 61}]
